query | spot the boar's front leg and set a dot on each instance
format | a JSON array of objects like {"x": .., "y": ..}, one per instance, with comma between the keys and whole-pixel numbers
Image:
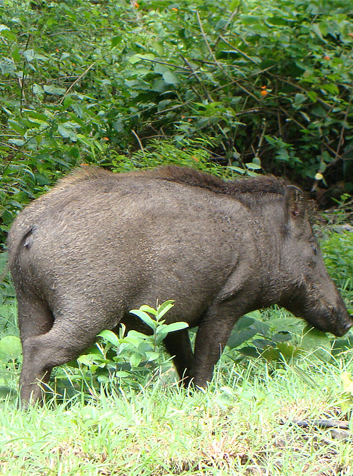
[{"x": 211, "y": 338}]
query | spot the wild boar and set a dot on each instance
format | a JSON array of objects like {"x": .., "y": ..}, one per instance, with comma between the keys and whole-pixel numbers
[{"x": 100, "y": 244}]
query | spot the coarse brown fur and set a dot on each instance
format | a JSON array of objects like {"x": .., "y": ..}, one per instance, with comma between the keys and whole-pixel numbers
[{"x": 100, "y": 244}]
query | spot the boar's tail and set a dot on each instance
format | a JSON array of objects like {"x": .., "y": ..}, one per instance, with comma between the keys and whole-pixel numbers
[{"x": 14, "y": 245}]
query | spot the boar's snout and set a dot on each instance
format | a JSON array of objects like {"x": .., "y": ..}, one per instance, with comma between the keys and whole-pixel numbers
[
  {"x": 327, "y": 317},
  {"x": 337, "y": 323},
  {"x": 344, "y": 328}
]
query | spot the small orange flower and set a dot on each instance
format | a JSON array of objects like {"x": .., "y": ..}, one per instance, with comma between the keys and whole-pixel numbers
[
  {"x": 263, "y": 87},
  {"x": 136, "y": 5},
  {"x": 57, "y": 50},
  {"x": 105, "y": 138},
  {"x": 327, "y": 57},
  {"x": 174, "y": 9},
  {"x": 264, "y": 93}
]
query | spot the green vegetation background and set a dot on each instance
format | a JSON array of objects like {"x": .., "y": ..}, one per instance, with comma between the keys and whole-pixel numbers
[{"x": 247, "y": 85}]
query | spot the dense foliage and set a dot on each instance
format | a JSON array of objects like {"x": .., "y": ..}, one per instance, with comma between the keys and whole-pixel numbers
[{"x": 250, "y": 85}]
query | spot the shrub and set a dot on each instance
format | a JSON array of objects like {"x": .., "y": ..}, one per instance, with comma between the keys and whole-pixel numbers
[{"x": 269, "y": 84}]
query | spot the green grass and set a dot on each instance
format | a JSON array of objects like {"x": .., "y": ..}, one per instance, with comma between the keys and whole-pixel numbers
[{"x": 241, "y": 425}]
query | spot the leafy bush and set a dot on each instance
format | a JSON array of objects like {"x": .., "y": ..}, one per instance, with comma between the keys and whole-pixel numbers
[
  {"x": 282, "y": 339},
  {"x": 133, "y": 359},
  {"x": 338, "y": 254},
  {"x": 268, "y": 84}
]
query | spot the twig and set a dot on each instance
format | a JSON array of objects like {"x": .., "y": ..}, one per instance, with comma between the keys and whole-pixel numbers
[
  {"x": 165, "y": 63},
  {"x": 294, "y": 120},
  {"x": 248, "y": 92},
  {"x": 238, "y": 50},
  {"x": 22, "y": 82},
  {"x": 75, "y": 82},
  {"x": 208, "y": 45},
  {"x": 333, "y": 152},
  {"x": 193, "y": 72},
  {"x": 261, "y": 138},
  {"x": 174, "y": 107},
  {"x": 224, "y": 29},
  {"x": 139, "y": 141}
]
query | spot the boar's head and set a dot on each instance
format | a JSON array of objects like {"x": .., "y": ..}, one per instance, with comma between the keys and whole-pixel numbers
[{"x": 309, "y": 292}]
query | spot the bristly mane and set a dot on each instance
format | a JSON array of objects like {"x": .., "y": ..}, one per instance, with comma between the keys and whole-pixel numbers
[
  {"x": 260, "y": 185},
  {"x": 253, "y": 185}
]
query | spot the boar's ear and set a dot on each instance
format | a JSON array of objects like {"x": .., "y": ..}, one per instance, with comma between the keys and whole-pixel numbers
[{"x": 294, "y": 206}]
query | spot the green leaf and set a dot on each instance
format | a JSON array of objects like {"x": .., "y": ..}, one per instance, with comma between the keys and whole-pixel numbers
[
  {"x": 137, "y": 58},
  {"x": 148, "y": 309},
  {"x": 10, "y": 348},
  {"x": 299, "y": 99},
  {"x": 77, "y": 108},
  {"x": 238, "y": 338},
  {"x": 122, "y": 374},
  {"x": 270, "y": 354},
  {"x": 151, "y": 356},
  {"x": 175, "y": 326},
  {"x": 170, "y": 78},
  {"x": 145, "y": 318},
  {"x": 67, "y": 133},
  {"x": 163, "y": 308},
  {"x": 252, "y": 166},
  {"x": 7, "y": 392},
  {"x": 281, "y": 337},
  {"x": 243, "y": 323},
  {"x": 110, "y": 337},
  {"x": 135, "y": 360},
  {"x": 237, "y": 169},
  {"x": 331, "y": 88},
  {"x": 261, "y": 327},
  {"x": 136, "y": 337},
  {"x": 316, "y": 28},
  {"x": 17, "y": 127},
  {"x": 55, "y": 90},
  {"x": 312, "y": 95},
  {"x": 249, "y": 351},
  {"x": 116, "y": 40},
  {"x": 317, "y": 341},
  {"x": 37, "y": 90},
  {"x": 288, "y": 351},
  {"x": 286, "y": 324}
]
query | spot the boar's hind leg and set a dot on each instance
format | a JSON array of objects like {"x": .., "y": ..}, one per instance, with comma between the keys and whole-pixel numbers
[
  {"x": 67, "y": 338},
  {"x": 34, "y": 319},
  {"x": 179, "y": 346}
]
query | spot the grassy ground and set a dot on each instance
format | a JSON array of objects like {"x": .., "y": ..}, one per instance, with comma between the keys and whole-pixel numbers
[{"x": 242, "y": 425}]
